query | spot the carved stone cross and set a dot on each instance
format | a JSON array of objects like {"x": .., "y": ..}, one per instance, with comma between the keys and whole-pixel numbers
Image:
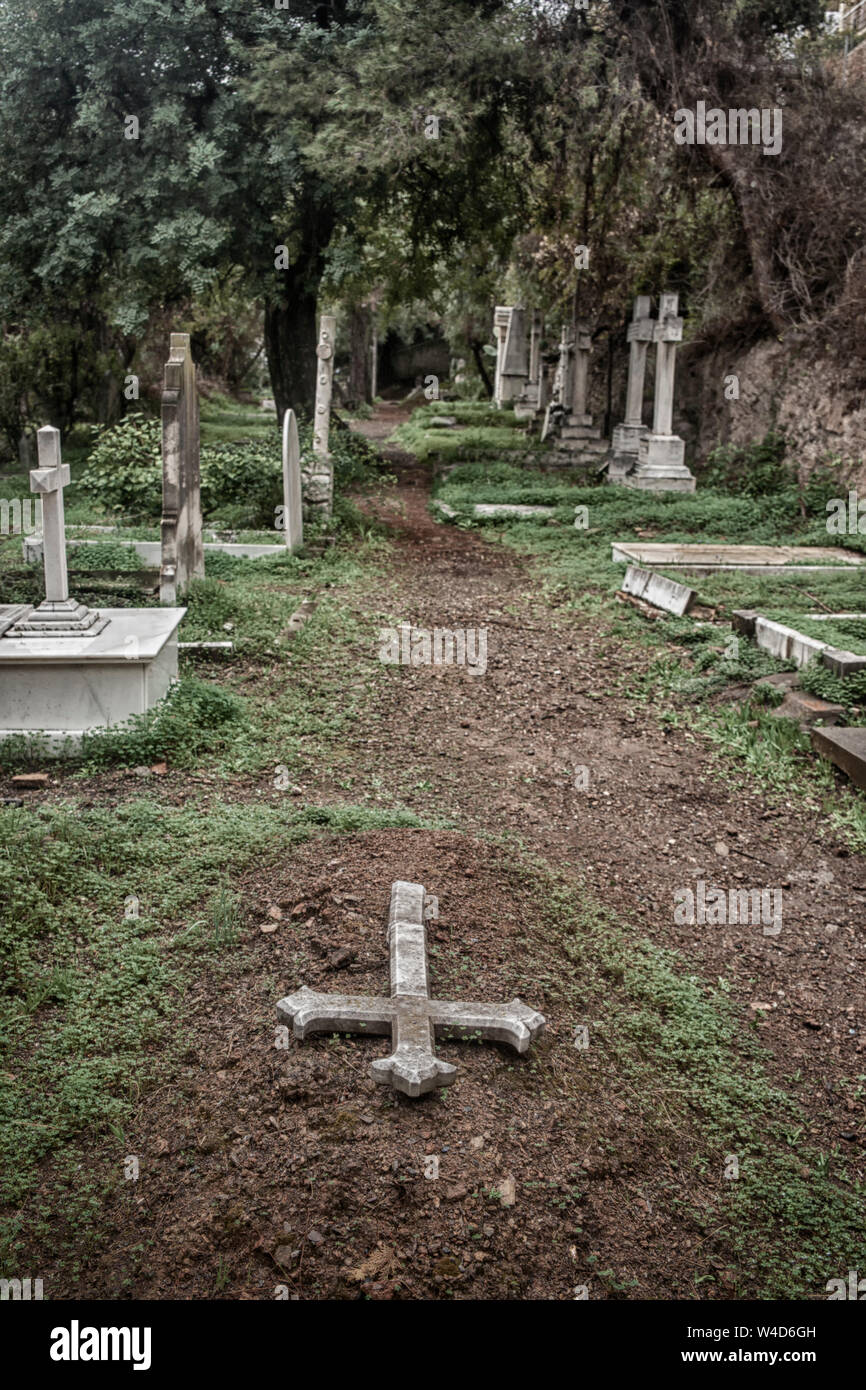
[
  {"x": 410, "y": 1015},
  {"x": 57, "y": 615}
]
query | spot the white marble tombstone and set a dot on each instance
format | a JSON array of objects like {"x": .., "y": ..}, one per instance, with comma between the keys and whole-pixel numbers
[
  {"x": 182, "y": 541},
  {"x": 660, "y": 462},
  {"x": 293, "y": 521}
]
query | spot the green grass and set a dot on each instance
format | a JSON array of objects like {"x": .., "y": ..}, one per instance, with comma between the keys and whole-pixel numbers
[
  {"x": 483, "y": 431},
  {"x": 92, "y": 1005},
  {"x": 696, "y": 1079}
]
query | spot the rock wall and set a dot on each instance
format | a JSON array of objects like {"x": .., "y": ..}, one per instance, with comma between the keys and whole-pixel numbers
[{"x": 787, "y": 386}]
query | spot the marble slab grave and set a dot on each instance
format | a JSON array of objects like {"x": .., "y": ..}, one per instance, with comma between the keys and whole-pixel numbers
[
  {"x": 63, "y": 689},
  {"x": 747, "y": 559}
]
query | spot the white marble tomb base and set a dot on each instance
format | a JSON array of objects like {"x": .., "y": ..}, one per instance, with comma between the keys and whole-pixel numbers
[
  {"x": 62, "y": 688},
  {"x": 660, "y": 466}
]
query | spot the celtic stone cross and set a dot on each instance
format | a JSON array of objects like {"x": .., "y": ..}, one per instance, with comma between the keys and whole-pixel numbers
[{"x": 410, "y": 1015}]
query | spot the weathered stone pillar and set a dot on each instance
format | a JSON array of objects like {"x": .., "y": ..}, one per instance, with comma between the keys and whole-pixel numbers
[
  {"x": 512, "y": 377},
  {"x": 182, "y": 542},
  {"x": 501, "y": 320},
  {"x": 319, "y": 479},
  {"x": 563, "y": 381},
  {"x": 536, "y": 328},
  {"x": 529, "y": 403},
  {"x": 627, "y": 436},
  {"x": 580, "y": 390},
  {"x": 660, "y": 465}
]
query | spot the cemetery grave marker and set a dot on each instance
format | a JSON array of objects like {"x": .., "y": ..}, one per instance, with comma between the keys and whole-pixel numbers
[{"x": 410, "y": 1015}]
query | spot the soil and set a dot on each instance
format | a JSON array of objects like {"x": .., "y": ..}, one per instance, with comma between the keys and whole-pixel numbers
[{"x": 272, "y": 1169}]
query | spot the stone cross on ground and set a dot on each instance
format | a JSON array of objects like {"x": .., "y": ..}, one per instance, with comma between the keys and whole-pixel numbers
[
  {"x": 319, "y": 478},
  {"x": 661, "y": 454},
  {"x": 410, "y": 1015},
  {"x": 628, "y": 435},
  {"x": 58, "y": 615},
  {"x": 293, "y": 521}
]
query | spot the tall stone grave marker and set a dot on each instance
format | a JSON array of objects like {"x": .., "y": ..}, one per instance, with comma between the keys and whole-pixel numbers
[
  {"x": 293, "y": 521},
  {"x": 580, "y": 390},
  {"x": 529, "y": 402},
  {"x": 501, "y": 319},
  {"x": 628, "y": 435},
  {"x": 57, "y": 615},
  {"x": 319, "y": 479},
  {"x": 182, "y": 544},
  {"x": 660, "y": 463},
  {"x": 579, "y": 444},
  {"x": 512, "y": 377}
]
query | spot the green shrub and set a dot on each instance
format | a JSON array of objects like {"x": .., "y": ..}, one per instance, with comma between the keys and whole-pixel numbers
[
  {"x": 754, "y": 469},
  {"x": 195, "y": 717},
  {"x": 241, "y": 481},
  {"x": 123, "y": 472}
]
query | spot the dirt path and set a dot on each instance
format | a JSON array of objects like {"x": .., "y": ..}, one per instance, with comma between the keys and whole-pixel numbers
[{"x": 501, "y": 750}]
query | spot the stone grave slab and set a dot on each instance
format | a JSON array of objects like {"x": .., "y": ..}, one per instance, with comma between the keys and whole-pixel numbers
[
  {"x": 411, "y": 1017},
  {"x": 846, "y": 748},
  {"x": 65, "y": 687},
  {"x": 746, "y": 559}
]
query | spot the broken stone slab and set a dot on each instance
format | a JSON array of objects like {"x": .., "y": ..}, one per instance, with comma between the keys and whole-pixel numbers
[
  {"x": 441, "y": 422},
  {"x": 743, "y": 621},
  {"x": 411, "y": 1017},
  {"x": 658, "y": 590},
  {"x": 846, "y": 748},
  {"x": 808, "y": 710},
  {"x": 785, "y": 643},
  {"x": 843, "y": 663},
  {"x": 493, "y": 509}
]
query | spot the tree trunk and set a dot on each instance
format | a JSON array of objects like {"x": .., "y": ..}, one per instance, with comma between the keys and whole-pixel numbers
[
  {"x": 360, "y": 332},
  {"x": 482, "y": 370},
  {"x": 290, "y": 344},
  {"x": 291, "y": 328}
]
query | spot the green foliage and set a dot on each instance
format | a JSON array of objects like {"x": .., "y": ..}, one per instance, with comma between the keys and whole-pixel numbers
[
  {"x": 849, "y": 691},
  {"x": 124, "y": 473},
  {"x": 243, "y": 477},
  {"x": 754, "y": 469}
]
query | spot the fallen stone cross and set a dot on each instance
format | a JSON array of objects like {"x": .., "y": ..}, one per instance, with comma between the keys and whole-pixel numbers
[{"x": 410, "y": 1015}]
